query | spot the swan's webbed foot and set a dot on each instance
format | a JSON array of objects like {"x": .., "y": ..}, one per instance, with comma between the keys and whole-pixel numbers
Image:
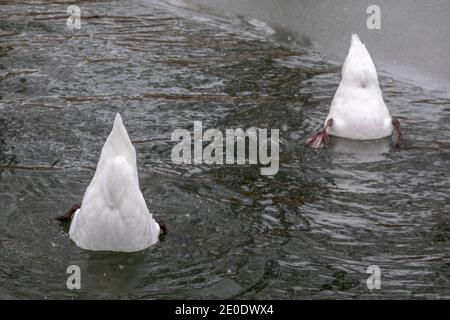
[
  {"x": 162, "y": 226},
  {"x": 399, "y": 139},
  {"x": 69, "y": 214},
  {"x": 321, "y": 137}
]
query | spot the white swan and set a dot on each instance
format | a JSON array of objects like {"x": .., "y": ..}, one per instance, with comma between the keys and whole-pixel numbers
[
  {"x": 113, "y": 215},
  {"x": 358, "y": 110}
]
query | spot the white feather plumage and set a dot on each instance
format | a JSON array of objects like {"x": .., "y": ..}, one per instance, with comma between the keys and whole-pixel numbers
[
  {"x": 113, "y": 215},
  {"x": 358, "y": 109}
]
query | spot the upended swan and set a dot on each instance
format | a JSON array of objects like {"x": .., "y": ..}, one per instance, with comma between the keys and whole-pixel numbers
[
  {"x": 358, "y": 110},
  {"x": 113, "y": 215}
]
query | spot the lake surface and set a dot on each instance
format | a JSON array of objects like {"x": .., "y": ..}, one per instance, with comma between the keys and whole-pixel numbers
[{"x": 310, "y": 231}]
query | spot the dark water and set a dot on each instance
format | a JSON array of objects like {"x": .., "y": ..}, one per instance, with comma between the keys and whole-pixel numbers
[{"x": 308, "y": 232}]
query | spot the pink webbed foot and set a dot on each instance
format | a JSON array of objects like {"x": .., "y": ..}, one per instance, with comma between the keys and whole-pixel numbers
[
  {"x": 399, "y": 139},
  {"x": 162, "y": 226},
  {"x": 320, "y": 138},
  {"x": 69, "y": 214}
]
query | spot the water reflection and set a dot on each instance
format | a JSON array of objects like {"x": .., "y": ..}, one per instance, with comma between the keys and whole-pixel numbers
[
  {"x": 354, "y": 151},
  {"x": 114, "y": 273}
]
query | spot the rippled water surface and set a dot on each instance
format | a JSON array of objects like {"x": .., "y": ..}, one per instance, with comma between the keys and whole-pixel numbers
[{"x": 308, "y": 232}]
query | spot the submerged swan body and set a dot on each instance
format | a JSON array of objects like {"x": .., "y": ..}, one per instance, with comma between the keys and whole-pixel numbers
[
  {"x": 358, "y": 110},
  {"x": 113, "y": 215}
]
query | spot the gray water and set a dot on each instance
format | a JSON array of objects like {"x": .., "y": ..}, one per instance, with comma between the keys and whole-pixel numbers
[
  {"x": 413, "y": 42},
  {"x": 311, "y": 231}
]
